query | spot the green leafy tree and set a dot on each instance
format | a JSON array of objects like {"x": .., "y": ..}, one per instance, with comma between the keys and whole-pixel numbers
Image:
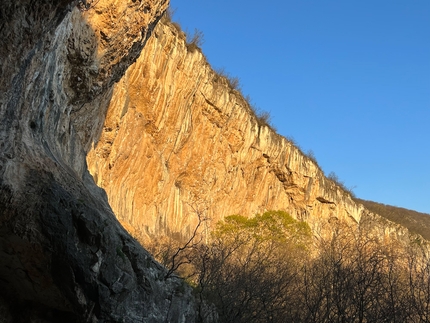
[{"x": 249, "y": 269}]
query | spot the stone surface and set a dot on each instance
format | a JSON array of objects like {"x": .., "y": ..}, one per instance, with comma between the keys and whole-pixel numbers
[
  {"x": 63, "y": 255},
  {"x": 178, "y": 141},
  {"x": 168, "y": 140},
  {"x": 176, "y": 136}
]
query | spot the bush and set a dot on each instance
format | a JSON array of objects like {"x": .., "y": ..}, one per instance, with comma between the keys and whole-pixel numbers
[
  {"x": 335, "y": 179},
  {"x": 195, "y": 41},
  {"x": 167, "y": 16},
  {"x": 263, "y": 117},
  {"x": 232, "y": 82}
]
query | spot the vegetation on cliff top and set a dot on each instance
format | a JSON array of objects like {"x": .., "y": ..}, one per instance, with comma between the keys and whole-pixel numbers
[
  {"x": 194, "y": 42},
  {"x": 415, "y": 221}
]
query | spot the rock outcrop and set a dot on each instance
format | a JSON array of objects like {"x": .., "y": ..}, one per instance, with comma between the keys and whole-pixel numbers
[
  {"x": 178, "y": 139},
  {"x": 166, "y": 137},
  {"x": 63, "y": 255}
]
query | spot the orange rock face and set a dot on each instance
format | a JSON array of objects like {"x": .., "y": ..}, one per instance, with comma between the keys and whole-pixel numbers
[{"x": 178, "y": 141}]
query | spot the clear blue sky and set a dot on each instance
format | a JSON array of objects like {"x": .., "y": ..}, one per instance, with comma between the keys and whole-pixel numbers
[{"x": 349, "y": 80}]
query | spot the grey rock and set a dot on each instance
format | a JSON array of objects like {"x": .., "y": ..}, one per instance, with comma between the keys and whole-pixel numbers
[{"x": 63, "y": 255}]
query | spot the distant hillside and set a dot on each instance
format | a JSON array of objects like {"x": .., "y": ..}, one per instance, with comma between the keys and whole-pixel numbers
[{"x": 415, "y": 221}]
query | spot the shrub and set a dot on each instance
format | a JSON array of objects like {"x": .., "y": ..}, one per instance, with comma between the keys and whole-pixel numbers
[
  {"x": 335, "y": 179},
  {"x": 178, "y": 27},
  {"x": 263, "y": 117},
  {"x": 167, "y": 16},
  {"x": 414, "y": 221},
  {"x": 195, "y": 41},
  {"x": 311, "y": 156},
  {"x": 232, "y": 81},
  {"x": 293, "y": 141}
]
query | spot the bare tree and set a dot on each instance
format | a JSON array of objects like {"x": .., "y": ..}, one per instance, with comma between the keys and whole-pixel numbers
[{"x": 183, "y": 253}]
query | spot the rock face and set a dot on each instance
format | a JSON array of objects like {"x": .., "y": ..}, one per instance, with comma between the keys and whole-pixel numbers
[
  {"x": 63, "y": 255},
  {"x": 177, "y": 137},
  {"x": 165, "y": 136}
]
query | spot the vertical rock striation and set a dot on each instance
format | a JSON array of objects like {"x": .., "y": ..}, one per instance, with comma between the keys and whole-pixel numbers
[
  {"x": 63, "y": 255},
  {"x": 178, "y": 136},
  {"x": 178, "y": 141},
  {"x": 167, "y": 138}
]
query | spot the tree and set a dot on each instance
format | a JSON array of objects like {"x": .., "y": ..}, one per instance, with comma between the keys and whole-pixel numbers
[
  {"x": 249, "y": 269},
  {"x": 270, "y": 268}
]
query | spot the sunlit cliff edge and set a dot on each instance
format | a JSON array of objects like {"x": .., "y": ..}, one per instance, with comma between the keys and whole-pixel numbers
[
  {"x": 178, "y": 138},
  {"x": 163, "y": 135}
]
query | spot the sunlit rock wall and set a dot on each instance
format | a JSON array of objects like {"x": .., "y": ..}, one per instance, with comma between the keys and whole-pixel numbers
[{"x": 178, "y": 142}]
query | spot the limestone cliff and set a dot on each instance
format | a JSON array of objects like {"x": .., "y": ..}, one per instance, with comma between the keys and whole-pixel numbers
[
  {"x": 177, "y": 136},
  {"x": 63, "y": 255},
  {"x": 166, "y": 137}
]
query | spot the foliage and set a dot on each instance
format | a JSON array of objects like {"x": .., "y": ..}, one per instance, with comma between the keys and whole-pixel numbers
[
  {"x": 415, "y": 221},
  {"x": 262, "y": 269},
  {"x": 195, "y": 41},
  {"x": 263, "y": 117},
  {"x": 247, "y": 269},
  {"x": 273, "y": 226},
  {"x": 311, "y": 156},
  {"x": 167, "y": 15},
  {"x": 233, "y": 82},
  {"x": 335, "y": 179}
]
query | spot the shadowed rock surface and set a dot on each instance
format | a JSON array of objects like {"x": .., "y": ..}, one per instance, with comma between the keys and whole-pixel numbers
[
  {"x": 165, "y": 136},
  {"x": 63, "y": 255}
]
